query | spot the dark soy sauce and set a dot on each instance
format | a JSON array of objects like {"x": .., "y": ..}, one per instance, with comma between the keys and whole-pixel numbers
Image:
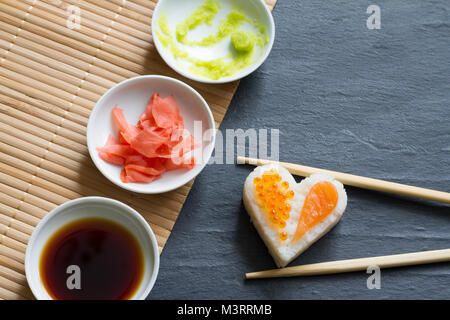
[{"x": 109, "y": 257}]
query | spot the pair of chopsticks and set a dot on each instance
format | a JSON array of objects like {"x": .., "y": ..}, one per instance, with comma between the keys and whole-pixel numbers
[{"x": 391, "y": 261}]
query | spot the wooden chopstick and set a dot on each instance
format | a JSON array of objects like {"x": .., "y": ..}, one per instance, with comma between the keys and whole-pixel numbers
[
  {"x": 351, "y": 265},
  {"x": 358, "y": 181}
]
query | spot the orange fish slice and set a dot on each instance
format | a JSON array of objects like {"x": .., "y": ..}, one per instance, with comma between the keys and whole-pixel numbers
[{"x": 319, "y": 203}]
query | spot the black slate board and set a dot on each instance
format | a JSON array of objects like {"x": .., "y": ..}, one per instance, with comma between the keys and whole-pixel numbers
[{"x": 368, "y": 102}]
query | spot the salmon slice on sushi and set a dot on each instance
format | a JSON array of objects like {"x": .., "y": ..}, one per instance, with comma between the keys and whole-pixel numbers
[{"x": 291, "y": 216}]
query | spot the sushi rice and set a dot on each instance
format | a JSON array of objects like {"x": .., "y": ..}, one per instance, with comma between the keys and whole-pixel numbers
[{"x": 284, "y": 251}]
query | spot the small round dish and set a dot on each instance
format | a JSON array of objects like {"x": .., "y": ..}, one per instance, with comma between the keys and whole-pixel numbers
[
  {"x": 178, "y": 10},
  {"x": 132, "y": 96},
  {"x": 92, "y": 207}
]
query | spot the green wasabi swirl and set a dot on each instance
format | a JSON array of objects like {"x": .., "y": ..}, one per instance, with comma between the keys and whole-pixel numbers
[{"x": 242, "y": 49}]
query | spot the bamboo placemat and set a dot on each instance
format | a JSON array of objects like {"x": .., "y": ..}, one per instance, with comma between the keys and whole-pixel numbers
[{"x": 50, "y": 78}]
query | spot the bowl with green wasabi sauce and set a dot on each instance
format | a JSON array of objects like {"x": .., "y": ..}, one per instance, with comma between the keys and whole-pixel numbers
[{"x": 213, "y": 41}]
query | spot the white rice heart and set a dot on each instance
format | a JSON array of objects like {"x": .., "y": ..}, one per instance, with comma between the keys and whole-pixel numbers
[{"x": 285, "y": 251}]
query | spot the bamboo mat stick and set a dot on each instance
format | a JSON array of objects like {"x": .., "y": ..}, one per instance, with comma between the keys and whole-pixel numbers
[
  {"x": 41, "y": 138},
  {"x": 84, "y": 105},
  {"x": 21, "y": 289},
  {"x": 170, "y": 201},
  {"x": 13, "y": 244},
  {"x": 25, "y": 208},
  {"x": 72, "y": 47},
  {"x": 96, "y": 22},
  {"x": 16, "y": 185},
  {"x": 45, "y": 95},
  {"x": 22, "y": 221},
  {"x": 90, "y": 28},
  {"x": 16, "y": 235},
  {"x": 9, "y": 217},
  {"x": 34, "y": 125},
  {"x": 42, "y": 206},
  {"x": 139, "y": 16},
  {"x": 48, "y": 77},
  {"x": 9, "y": 295},
  {"x": 26, "y": 58},
  {"x": 13, "y": 275},
  {"x": 358, "y": 181},
  {"x": 332, "y": 267},
  {"x": 13, "y": 100},
  {"x": 11, "y": 253},
  {"x": 97, "y": 14},
  {"x": 15, "y": 224},
  {"x": 48, "y": 50},
  {"x": 110, "y": 13},
  {"x": 12, "y": 264},
  {"x": 163, "y": 216}
]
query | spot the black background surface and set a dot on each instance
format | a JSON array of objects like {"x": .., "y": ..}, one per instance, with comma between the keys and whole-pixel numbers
[{"x": 369, "y": 102}]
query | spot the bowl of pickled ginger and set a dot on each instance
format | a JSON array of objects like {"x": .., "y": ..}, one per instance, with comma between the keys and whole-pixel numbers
[{"x": 151, "y": 134}]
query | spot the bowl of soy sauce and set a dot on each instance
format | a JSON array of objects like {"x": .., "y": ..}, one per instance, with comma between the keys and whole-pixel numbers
[{"x": 92, "y": 248}]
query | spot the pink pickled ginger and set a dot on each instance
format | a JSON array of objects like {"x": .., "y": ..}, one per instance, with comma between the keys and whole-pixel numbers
[{"x": 158, "y": 143}]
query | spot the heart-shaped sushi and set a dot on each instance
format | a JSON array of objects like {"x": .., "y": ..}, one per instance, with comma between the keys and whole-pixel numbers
[{"x": 291, "y": 216}]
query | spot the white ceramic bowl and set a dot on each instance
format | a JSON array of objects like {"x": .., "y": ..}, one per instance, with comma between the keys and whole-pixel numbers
[
  {"x": 92, "y": 207},
  {"x": 132, "y": 96},
  {"x": 177, "y": 10}
]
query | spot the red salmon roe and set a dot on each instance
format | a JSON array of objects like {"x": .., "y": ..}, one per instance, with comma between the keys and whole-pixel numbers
[{"x": 273, "y": 194}]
